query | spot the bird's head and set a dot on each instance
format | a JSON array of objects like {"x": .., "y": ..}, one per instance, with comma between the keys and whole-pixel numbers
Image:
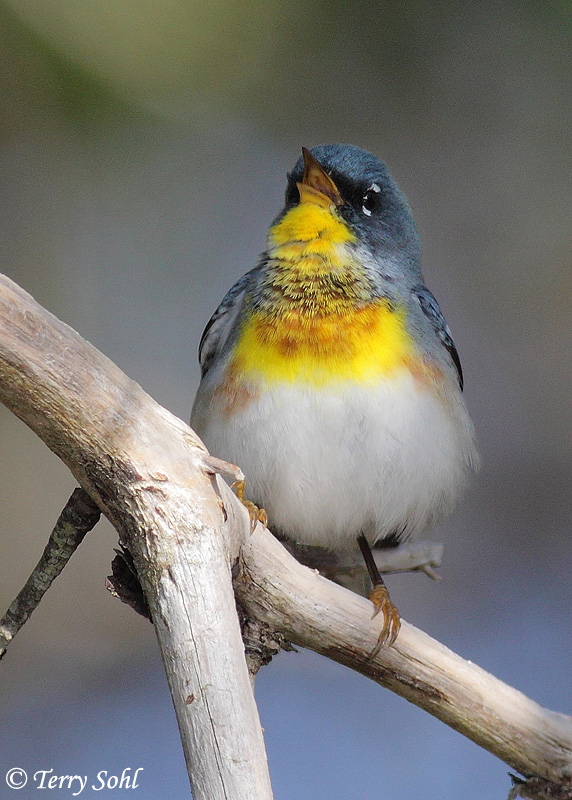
[{"x": 355, "y": 186}]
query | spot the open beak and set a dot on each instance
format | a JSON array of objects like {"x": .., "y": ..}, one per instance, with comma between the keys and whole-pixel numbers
[{"x": 316, "y": 185}]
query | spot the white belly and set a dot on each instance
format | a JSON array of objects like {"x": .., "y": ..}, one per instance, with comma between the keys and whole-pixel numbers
[{"x": 327, "y": 465}]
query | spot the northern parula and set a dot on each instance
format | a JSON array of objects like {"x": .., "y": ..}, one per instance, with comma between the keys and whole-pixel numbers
[{"x": 329, "y": 374}]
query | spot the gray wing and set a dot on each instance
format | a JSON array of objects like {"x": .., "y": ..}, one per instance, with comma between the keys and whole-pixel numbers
[
  {"x": 430, "y": 308},
  {"x": 221, "y": 324}
]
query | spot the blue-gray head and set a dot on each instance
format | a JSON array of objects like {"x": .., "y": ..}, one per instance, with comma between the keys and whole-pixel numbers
[{"x": 370, "y": 201}]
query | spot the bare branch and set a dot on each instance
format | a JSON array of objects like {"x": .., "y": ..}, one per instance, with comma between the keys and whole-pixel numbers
[
  {"x": 152, "y": 478},
  {"x": 313, "y": 612},
  {"x": 184, "y": 528},
  {"x": 78, "y": 517}
]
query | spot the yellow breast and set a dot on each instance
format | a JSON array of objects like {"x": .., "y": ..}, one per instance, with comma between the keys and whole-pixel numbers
[
  {"x": 360, "y": 346},
  {"x": 319, "y": 323}
]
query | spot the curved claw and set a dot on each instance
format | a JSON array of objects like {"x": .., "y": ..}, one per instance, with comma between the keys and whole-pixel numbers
[
  {"x": 256, "y": 514},
  {"x": 379, "y": 596}
]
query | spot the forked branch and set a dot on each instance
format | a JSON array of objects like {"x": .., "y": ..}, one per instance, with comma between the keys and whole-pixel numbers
[{"x": 151, "y": 476}]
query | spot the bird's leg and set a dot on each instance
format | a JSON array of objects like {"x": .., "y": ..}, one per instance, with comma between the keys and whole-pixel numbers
[
  {"x": 379, "y": 596},
  {"x": 256, "y": 514}
]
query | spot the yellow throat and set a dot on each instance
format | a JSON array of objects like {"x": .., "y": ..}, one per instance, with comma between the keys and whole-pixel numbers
[{"x": 318, "y": 322}]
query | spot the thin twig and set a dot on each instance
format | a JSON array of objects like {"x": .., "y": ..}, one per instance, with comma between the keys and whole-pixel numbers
[
  {"x": 406, "y": 557},
  {"x": 78, "y": 518}
]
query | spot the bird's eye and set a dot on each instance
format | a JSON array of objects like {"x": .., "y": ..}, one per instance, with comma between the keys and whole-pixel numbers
[{"x": 371, "y": 199}]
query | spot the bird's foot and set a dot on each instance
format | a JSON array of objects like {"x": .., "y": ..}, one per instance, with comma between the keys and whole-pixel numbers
[
  {"x": 256, "y": 514},
  {"x": 381, "y": 600},
  {"x": 379, "y": 596}
]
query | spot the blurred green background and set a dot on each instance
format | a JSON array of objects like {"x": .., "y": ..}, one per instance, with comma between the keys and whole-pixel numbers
[{"x": 143, "y": 152}]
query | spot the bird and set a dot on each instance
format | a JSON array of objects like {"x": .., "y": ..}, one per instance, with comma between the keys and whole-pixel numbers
[{"x": 330, "y": 376}]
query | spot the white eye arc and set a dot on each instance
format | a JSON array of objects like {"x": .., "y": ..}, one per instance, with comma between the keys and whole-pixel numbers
[{"x": 370, "y": 199}]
